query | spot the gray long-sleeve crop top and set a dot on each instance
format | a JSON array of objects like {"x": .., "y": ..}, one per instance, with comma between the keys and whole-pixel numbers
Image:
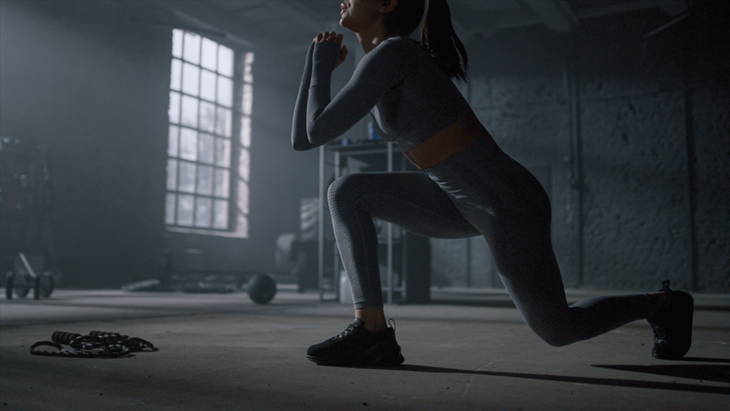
[{"x": 398, "y": 83}]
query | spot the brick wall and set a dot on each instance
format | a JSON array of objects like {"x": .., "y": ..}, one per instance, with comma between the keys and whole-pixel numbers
[{"x": 629, "y": 136}]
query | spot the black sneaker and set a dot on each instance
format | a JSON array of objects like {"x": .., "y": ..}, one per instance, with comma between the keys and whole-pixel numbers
[
  {"x": 672, "y": 325},
  {"x": 357, "y": 346}
]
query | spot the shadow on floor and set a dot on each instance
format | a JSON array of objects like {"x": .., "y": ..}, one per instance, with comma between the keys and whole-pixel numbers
[
  {"x": 474, "y": 303},
  {"x": 506, "y": 303},
  {"x": 701, "y": 359},
  {"x": 702, "y": 372},
  {"x": 718, "y": 372}
]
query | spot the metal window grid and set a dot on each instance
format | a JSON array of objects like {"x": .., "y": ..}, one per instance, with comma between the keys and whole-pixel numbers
[{"x": 229, "y": 171}]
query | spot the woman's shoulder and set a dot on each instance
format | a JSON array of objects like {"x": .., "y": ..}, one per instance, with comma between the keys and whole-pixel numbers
[
  {"x": 396, "y": 48},
  {"x": 392, "y": 44},
  {"x": 390, "y": 51},
  {"x": 390, "y": 56},
  {"x": 405, "y": 45}
]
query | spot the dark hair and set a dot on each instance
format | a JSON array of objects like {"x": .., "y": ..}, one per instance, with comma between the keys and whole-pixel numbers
[{"x": 437, "y": 33}]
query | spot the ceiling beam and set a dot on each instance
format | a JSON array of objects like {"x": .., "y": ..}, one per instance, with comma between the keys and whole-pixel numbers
[
  {"x": 617, "y": 8},
  {"x": 208, "y": 18},
  {"x": 525, "y": 20},
  {"x": 556, "y": 14}
]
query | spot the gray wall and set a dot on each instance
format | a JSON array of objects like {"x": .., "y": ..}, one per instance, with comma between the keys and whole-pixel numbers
[
  {"x": 630, "y": 137},
  {"x": 92, "y": 81},
  {"x": 83, "y": 79}
]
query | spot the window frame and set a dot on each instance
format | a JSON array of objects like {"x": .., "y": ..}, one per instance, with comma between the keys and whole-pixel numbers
[{"x": 236, "y": 227}]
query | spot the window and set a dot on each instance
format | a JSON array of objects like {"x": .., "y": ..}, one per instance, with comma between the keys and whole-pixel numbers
[{"x": 211, "y": 96}]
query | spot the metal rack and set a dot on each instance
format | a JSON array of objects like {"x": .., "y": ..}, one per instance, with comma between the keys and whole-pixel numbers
[
  {"x": 26, "y": 241},
  {"x": 373, "y": 153}
]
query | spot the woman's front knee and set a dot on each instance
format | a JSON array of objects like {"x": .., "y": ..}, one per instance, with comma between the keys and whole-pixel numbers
[
  {"x": 348, "y": 187},
  {"x": 555, "y": 334}
]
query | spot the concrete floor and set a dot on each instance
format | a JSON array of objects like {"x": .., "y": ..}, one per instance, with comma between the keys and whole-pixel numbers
[{"x": 469, "y": 350}]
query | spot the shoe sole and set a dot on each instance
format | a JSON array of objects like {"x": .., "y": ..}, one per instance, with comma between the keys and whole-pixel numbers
[
  {"x": 391, "y": 362},
  {"x": 369, "y": 357}
]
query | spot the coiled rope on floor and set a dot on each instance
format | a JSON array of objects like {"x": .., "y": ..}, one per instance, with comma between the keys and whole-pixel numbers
[{"x": 96, "y": 344}]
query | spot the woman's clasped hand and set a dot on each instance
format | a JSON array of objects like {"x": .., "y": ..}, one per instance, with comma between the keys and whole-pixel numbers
[{"x": 332, "y": 37}]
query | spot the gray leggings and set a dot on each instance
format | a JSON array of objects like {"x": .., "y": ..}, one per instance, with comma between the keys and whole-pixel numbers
[{"x": 478, "y": 191}]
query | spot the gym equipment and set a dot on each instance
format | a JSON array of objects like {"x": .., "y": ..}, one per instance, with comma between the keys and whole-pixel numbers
[
  {"x": 261, "y": 288},
  {"x": 94, "y": 345},
  {"x": 24, "y": 278},
  {"x": 27, "y": 237}
]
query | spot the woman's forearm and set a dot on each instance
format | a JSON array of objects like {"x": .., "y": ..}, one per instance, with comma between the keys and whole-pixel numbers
[
  {"x": 323, "y": 63},
  {"x": 328, "y": 118},
  {"x": 299, "y": 139},
  {"x": 314, "y": 97}
]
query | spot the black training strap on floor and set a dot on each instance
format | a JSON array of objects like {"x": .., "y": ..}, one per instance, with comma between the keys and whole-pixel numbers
[{"x": 97, "y": 344}]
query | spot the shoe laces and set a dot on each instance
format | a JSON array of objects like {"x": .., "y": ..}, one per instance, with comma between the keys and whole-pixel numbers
[
  {"x": 660, "y": 333},
  {"x": 348, "y": 331}
]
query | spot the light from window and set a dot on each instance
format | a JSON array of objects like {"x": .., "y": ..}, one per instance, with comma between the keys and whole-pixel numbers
[{"x": 201, "y": 146}]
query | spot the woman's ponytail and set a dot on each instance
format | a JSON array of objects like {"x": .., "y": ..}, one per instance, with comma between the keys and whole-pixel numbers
[
  {"x": 438, "y": 36},
  {"x": 437, "y": 33}
]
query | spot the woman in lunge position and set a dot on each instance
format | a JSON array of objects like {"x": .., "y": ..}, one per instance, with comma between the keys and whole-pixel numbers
[{"x": 467, "y": 186}]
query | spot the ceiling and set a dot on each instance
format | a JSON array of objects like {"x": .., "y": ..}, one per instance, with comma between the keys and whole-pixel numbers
[{"x": 289, "y": 25}]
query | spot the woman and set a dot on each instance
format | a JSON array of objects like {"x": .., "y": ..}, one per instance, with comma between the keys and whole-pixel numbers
[{"x": 468, "y": 186}]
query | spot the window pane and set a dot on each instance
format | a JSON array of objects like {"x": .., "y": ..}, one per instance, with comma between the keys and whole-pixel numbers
[
  {"x": 187, "y": 177},
  {"x": 247, "y": 99},
  {"x": 203, "y": 71},
  {"x": 202, "y": 212},
  {"x": 220, "y": 216},
  {"x": 242, "y": 197},
  {"x": 207, "y": 85},
  {"x": 220, "y": 183},
  {"x": 225, "y": 61},
  {"x": 189, "y": 111},
  {"x": 192, "y": 48},
  {"x": 205, "y": 148},
  {"x": 175, "y": 78},
  {"x": 208, "y": 58},
  {"x": 205, "y": 180},
  {"x": 222, "y": 152},
  {"x": 188, "y": 144},
  {"x": 170, "y": 209},
  {"x": 247, "y": 74},
  {"x": 243, "y": 164},
  {"x": 174, "y": 110},
  {"x": 191, "y": 77},
  {"x": 245, "y": 131},
  {"x": 177, "y": 39},
  {"x": 172, "y": 141},
  {"x": 207, "y": 116},
  {"x": 225, "y": 91},
  {"x": 185, "y": 210},
  {"x": 223, "y": 122},
  {"x": 171, "y": 174}
]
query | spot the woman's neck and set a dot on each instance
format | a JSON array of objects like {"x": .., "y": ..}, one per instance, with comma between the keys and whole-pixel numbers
[{"x": 370, "y": 38}]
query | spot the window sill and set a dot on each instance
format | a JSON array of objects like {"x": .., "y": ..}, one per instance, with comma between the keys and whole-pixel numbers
[{"x": 226, "y": 234}]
